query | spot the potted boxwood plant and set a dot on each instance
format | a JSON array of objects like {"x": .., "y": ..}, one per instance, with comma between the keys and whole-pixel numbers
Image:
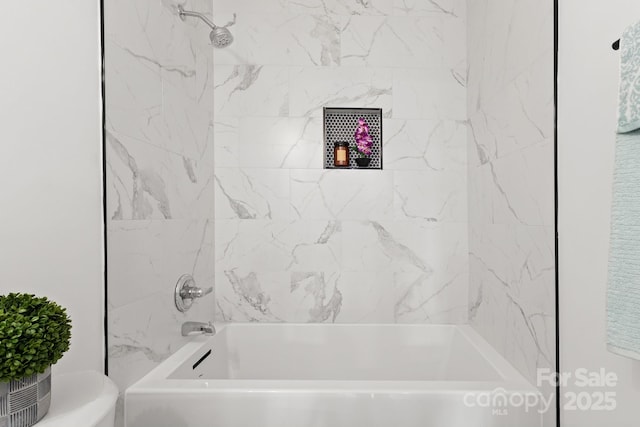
[{"x": 34, "y": 334}]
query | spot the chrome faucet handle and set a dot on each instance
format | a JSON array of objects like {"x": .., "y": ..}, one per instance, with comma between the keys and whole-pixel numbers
[
  {"x": 193, "y": 292},
  {"x": 187, "y": 291}
]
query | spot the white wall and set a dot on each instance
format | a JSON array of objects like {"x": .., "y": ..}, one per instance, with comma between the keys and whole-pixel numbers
[
  {"x": 50, "y": 164},
  {"x": 587, "y": 107}
]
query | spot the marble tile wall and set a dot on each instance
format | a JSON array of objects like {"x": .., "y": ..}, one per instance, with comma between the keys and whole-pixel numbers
[
  {"x": 296, "y": 243},
  {"x": 160, "y": 182},
  {"x": 511, "y": 180},
  {"x": 458, "y": 226}
]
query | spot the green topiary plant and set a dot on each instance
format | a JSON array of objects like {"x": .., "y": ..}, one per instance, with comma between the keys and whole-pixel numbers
[{"x": 34, "y": 334}]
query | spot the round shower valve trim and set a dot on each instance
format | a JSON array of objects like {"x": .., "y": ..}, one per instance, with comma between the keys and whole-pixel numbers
[{"x": 187, "y": 291}]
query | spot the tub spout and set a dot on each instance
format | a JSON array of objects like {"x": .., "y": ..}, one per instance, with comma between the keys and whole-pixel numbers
[{"x": 200, "y": 327}]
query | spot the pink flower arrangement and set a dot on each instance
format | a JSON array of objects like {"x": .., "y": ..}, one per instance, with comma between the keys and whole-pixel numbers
[{"x": 364, "y": 142}]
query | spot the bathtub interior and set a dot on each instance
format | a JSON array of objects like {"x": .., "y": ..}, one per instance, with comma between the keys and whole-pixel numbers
[
  {"x": 339, "y": 353},
  {"x": 330, "y": 375}
]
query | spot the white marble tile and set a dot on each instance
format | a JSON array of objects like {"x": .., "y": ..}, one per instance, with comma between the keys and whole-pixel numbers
[
  {"x": 250, "y": 6},
  {"x": 483, "y": 143},
  {"x": 521, "y": 186},
  {"x": 342, "y": 7},
  {"x": 252, "y": 194},
  {"x": 125, "y": 26},
  {"x": 251, "y": 245},
  {"x": 440, "y": 298},
  {"x": 519, "y": 116},
  {"x": 156, "y": 113},
  {"x": 145, "y": 182},
  {"x": 416, "y": 247},
  {"x": 283, "y": 39},
  {"x": 303, "y": 297},
  {"x": 530, "y": 36},
  {"x": 289, "y": 271},
  {"x": 251, "y": 90},
  {"x": 425, "y": 145},
  {"x": 156, "y": 37},
  {"x": 259, "y": 38},
  {"x": 433, "y": 196},
  {"x": 511, "y": 183},
  {"x": 187, "y": 63},
  {"x": 428, "y": 94},
  {"x": 149, "y": 256},
  {"x": 367, "y": 297},
  {"x": 342, "y": 194},
  {"x": 307, "y": 152},
  {"x": 515, "y": 189},
  {"x": 315, "y": 39},
  {"x": 315, "y": 88},
  {"x": 144, "y": 333},
  {"x": 152, "y": 99},
  {"x": 488, "y": 305},
  {"x": 510, "y": 111},
  {"x": 134, "y": 94},
  {"x": 160, "y": 186},
  {"x": 275, "y": 246},
  {"x": 479, "y": 189},
  {"x": 184, "y": 125},
  {"x": 314, "y": 245},
  {"x": 523, "y": 113},
  {"x": 195, "y": 84},
  {"x": 476, "y": 46},
  {"x": 247, "y": 296},
  {"x": 512, "y": 302},
  {"x": 136, "y": 261},
  {"x": 225, "y": 142},
  {"x": 428, "y": 262},
  {"x": 506, "y": 39},
  {"x": 313, "y": 297},
  {"x": 488, "y": 33},
  {"x": 456, "y": 8},
  {"x": 146, "y": 260},
  {"x": 510, "y": 145},
  {"x": 280, "y": 142},
  {"x": 435, "y": 41},
  {"x": 154, "y": 31}
]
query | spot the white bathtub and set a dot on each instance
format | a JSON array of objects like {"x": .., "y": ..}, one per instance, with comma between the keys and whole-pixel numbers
[{"x": 263, "y": 375}]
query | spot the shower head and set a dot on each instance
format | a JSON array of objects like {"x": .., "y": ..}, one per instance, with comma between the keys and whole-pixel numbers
[{"x": 220, "y": 36}]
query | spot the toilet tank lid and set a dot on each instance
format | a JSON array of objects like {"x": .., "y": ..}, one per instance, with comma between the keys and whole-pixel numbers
[{"x": 80, "y": 398}]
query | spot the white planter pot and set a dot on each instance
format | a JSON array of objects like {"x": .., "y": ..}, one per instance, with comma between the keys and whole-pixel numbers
[{"x": 26, "y": 401}]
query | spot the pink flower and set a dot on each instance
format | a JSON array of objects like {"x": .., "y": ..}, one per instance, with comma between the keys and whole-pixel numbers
[{"x": 364, "y": 142}]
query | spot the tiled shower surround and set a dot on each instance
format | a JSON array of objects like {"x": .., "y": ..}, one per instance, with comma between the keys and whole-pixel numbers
[
  {"x": 298, "y": 243},
  {"x": 160, "y": 193},
  {"x": 215, "y": 168},
  {"x": 511, "y": 173}
]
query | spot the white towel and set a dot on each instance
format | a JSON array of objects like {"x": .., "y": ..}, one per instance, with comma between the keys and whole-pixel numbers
[
  {"x": 623, "y": 293},
  {"x": 629, "y": 102}
]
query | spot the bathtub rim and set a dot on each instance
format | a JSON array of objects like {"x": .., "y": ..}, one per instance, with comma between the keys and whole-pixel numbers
[{"x": 157, "y": 381}]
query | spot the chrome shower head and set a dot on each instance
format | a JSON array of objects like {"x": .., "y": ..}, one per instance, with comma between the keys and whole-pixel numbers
[{"x": 221, "y": 37}]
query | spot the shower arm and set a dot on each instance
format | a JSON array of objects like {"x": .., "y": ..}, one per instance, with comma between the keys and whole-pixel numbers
[{"x": 184, "y": 13}]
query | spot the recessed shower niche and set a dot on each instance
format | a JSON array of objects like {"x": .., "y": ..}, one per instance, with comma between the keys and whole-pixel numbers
[{"x": 350, "y": 125}]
